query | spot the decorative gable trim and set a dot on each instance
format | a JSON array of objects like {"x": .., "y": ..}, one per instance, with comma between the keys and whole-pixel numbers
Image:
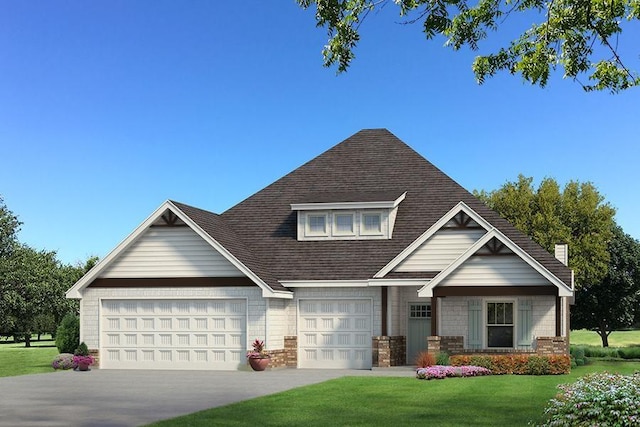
[
  {"x": 457, "y": 209},
  {"x": 564, "y": 290},
  {"x": 160, "y": 213}
]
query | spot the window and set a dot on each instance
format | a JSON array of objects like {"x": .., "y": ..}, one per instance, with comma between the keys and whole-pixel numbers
[
  {"x": 371, "y": 223},
  {"x": 500, "y": 324},
  {"x": 343, "y": 224},
  {"x": 317, "y": 224},
  {"x": 420, "y": 311}
]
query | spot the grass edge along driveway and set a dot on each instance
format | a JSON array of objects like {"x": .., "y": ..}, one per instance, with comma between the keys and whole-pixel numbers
[{"x": 513, "y": 400}]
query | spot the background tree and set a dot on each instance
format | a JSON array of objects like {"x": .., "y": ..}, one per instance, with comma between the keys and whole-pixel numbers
[
  {"x": 9, "y": 227},
  {"x": 577, "y": 215},
  {"x": 612, "y": 303},
  {"x": 580, "y": 36},
  {"x": 32, "y": 284}
]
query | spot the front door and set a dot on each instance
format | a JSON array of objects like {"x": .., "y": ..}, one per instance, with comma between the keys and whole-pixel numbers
[{"x": 419, "y": 328}]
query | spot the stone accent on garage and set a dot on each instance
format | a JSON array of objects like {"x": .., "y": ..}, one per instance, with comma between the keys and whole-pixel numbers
[{"x": 389, "y": 351}]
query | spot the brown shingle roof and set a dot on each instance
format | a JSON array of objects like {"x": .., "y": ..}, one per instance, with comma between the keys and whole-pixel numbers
[{"x": 261, "y": 230}]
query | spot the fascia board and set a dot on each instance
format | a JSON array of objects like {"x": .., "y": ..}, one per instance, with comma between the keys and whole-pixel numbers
[
  {"x": 399, "y": 282},
  {"x": 389, "y": 204},
  {"x": 74, "y": 291},
  {"x": 324, "y": 283},
  {"x": 460, "y": 207}
]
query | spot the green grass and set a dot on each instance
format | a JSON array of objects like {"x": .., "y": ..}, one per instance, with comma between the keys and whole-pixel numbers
[
  {"x": 616, "y": 339},
  {"x": 15, "y": 359},
  {"x": 381, "y": 401}
]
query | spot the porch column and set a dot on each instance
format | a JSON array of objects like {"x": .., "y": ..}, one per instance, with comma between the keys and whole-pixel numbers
[{"x": 434, "y": 315}]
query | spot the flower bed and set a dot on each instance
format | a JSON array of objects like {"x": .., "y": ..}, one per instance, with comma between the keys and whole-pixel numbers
[
  {"x": 520, "y": 364},
  {"x": 440, "y": 372},
  {"x": 600, "y": 399},
  {"x": 63, "y": 361}
]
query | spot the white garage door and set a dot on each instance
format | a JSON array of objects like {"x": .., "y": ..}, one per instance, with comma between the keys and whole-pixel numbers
[
  {"x": 335, "y": 334},
  {"x": 173, "y": 334}
]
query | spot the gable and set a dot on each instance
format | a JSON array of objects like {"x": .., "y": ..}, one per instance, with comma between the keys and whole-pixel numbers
[
  {"x": 165, "y": 251},
  {"x": 495, "y": 270},
  {"x": 440, "y": 250}
]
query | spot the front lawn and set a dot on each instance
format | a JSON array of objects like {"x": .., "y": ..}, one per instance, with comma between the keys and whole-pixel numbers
[
  {"x": 364, "y": 401},
  {"x": 15, "y": 359},
  {"x": 616, "y": 339}
]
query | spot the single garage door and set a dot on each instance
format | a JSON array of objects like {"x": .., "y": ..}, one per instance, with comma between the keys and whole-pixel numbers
[
  {"x": 173, "y": 334},
  {"x": 335, "y": 334}
]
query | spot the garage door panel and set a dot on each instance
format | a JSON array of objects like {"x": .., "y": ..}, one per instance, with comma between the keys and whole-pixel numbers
[
  {"x": 335, "y": 334},
  {"x": 173, "y": 334}
]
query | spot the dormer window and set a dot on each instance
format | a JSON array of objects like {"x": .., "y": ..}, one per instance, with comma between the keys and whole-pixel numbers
[
  {"x": 317, "y": 225},
  {"x": 353, "y": 216},
  {"x": 344, "y": 224},
  {"x": 371, "y": 223}
]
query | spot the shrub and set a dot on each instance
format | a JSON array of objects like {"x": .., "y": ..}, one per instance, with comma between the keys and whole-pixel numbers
[
  {"x": 591, "y": 351},
  {"x": 597, "y": 399},
  {"x": 519, "y": 364},
  {"x": 68, "y": 334},
  {"x": 629, "y": 352},
  {"x": 442, "y": 358},
  {"x": 538, "y": 365},
  {"x": 63, "y": 361},
  {"x": 440, "y": 372},
  {"x": 82, "y": 350},
  {"x": 425, "y": 359}
]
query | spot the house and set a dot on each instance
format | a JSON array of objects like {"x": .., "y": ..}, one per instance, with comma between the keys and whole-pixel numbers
[{"x": 361, "y": 257}]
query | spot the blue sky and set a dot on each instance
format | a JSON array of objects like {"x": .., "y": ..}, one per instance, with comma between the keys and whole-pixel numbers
[{"x": 109, "y": 108}]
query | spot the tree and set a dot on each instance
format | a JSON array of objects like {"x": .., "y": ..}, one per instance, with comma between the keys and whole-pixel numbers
[
  {"x": 9, "y": 227},
  {"x": 577, "y": 215},
  {"x": 580, "y": 36},
  {"x": 27, "y": 285},
  {"x": 612, "y": 303}
]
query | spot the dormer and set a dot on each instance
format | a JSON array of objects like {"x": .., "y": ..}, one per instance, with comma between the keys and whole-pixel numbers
[{"x": 347, "y": 216}]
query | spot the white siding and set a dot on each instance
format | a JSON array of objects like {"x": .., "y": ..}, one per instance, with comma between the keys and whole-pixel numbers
[
  {"x": 440, "y": 250},
  {"x": 453, "y": 313},
  {"x": 499, "y": 270},
  {"x": 277, "y": 322},
  {"x": 170, "y": 252}
]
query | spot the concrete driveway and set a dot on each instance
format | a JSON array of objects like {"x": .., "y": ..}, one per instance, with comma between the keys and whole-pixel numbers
[{"x": 131, "y": 398}]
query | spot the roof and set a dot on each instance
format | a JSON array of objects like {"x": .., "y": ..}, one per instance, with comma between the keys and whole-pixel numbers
[
  {"x": 259, "y": 234},
  {"x": 261, "y": 231}
]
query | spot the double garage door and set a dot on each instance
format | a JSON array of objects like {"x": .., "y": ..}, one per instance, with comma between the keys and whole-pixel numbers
[
  {"x": 173, "y": 334},
  {"x": 335, "y": 334}
]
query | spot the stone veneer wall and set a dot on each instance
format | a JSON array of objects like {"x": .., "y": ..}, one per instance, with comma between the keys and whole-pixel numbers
[
  {"x": 545, "y": 346},
  {"x": 287, "y": 357},
  {"x": 96, "y": 357},
  {"x": 388, "y": 351},
  {"x": 548, "y": 346}
]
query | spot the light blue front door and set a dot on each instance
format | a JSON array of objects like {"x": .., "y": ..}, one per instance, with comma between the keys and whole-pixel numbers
[{"x": 419, "y": 328}]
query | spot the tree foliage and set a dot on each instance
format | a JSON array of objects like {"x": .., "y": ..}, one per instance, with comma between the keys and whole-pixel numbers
[
  {"x": 32, "y": 284},
  {"x": 612, "y": 303},
  {"x": 577, "y": 215},
  {"x": 579, "y": 36}
]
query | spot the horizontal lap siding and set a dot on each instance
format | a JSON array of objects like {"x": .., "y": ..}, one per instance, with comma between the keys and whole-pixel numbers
[
  {"x": 440, "y": 250},
  {"x": 499, "y": 270},
  {"x": 170, "y": 252}
]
